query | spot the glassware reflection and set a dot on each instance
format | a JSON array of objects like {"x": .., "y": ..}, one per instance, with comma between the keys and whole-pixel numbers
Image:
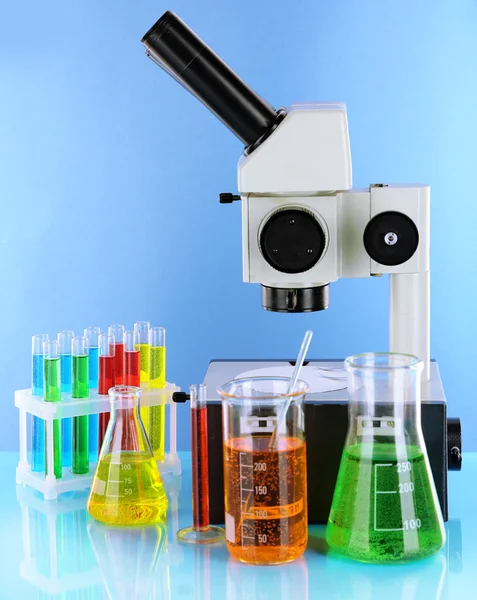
[
  {"x": 245, "y": 582},
  {"x": 413, "y": 581},
  {"x": 57, "y": 555},
  {"x": 428, "y": 578},
  {"x": 131, "y": 560},
  {"x": 175, "y": 550}
]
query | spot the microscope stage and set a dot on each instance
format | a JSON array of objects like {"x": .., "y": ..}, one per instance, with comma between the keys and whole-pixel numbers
[{"x": 222, "y": 371}]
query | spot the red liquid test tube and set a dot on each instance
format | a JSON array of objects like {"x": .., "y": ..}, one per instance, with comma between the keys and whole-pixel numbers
[
  {"x": 107, "y": 380},
  {"x": 132, "y": 375},
  {"x": 200, "y": 468},
  {"x": 118, "y": 332},
  {"x": 201, "y": 532}
]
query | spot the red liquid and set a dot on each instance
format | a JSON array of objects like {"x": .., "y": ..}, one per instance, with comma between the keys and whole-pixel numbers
[
  {"x": 119, "y": 359},
  {"x": 133, "y": 372},
  {"x": 106, "y": 381},
  {"x": 106, "y": 374},
  {"x": 200, "y": 468},
  {"x": 103, "y": 425},
  {"x": 127, "y": 427}
]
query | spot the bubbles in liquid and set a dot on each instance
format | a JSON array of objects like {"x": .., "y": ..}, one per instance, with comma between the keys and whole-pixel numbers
[
  {"x": 127, "y": 490},
  {"x": 265, "y": 499},
  {"x": 384, "y": 509}
]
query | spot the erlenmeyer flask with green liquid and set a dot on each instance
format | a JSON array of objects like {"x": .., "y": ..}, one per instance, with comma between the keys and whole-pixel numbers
[
  {"x": 127, "y": 488},
  {"x": 385, "y": 507}
]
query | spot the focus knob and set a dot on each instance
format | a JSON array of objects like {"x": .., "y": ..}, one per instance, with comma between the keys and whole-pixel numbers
[
  {"x": 292, "y": 241},
  {"x": 391, "y": 238},
  {"x": 228, "y": 198}
]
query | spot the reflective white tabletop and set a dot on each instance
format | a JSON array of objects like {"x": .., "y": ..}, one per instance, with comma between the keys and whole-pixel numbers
[{"x": 53, "y": 550}]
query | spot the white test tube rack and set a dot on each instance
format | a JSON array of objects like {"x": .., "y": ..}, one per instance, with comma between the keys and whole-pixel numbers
[{"x": 47, "y": 483}]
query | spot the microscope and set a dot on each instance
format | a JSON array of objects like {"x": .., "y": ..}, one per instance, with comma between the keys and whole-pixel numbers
[{"x": 303, "y": 227}]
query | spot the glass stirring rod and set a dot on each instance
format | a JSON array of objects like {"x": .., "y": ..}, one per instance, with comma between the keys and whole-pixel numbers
[{"x": 294, "y": 378}]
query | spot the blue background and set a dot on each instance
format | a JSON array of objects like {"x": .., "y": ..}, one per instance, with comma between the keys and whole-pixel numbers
[{"x": 109, "y": 175}]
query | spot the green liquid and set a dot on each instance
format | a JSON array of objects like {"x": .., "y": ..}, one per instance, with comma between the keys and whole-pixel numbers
[
  {"x": 384, "y": 509},
  {"x": 80, "y": 424},
  {"x": 80, "y": 376},
  {"x": 53, "y": 394},
  {"x": 156, "y": 428}
]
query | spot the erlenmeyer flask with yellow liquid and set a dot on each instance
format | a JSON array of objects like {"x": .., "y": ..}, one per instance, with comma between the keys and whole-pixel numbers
[
  {"x": 127, "y": 488},
  {"x": 385, "y": 507}
]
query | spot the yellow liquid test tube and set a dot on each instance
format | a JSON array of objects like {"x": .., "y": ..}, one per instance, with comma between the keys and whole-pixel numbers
[
  {"x": 143, "y": 328},
  {"x": 157, "y": 380}
]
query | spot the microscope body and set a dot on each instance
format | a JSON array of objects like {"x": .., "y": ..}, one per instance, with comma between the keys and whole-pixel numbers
[{"x": 304, "y": 226}]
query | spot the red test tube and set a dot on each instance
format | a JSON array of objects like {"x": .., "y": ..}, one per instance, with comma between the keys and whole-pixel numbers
[
  {"x": 107, "y": 379},
  {"x": 132, "y": 374},
  {"x": 118, "y": 332},
  {"x": 201, "y": 531}
]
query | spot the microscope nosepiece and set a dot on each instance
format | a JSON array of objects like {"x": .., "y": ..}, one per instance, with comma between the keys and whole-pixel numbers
[
  {"x": 176, "y": 48},
  {"x": 296, "y": 300}
]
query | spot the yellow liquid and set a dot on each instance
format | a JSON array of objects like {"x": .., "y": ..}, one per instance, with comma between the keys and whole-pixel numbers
[
  {"x": 144, "y": 351},
  {"x": 144, "y": 362},
  {"x": 156, "y": 427},
  {"x": 127, "y": 490}
]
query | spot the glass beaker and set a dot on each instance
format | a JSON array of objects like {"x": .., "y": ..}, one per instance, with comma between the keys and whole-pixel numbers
[
  {"x": 127, "y": 488},
  {"x": 385, "y": 507},
  {"x": 265, "y": 471}
]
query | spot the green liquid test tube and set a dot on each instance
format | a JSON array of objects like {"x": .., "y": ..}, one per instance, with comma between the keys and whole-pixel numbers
[
  {"x": 51, "y": 362},
  {"x": 80, "y": 390},
  {"x": 157, "y": 380},
  {"x": 143, "y": 328}
]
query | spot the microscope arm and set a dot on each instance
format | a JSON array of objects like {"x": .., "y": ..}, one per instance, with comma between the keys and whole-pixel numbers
[{"x": 409, "y": 316}]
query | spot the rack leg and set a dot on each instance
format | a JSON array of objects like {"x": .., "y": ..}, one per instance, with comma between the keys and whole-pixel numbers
[{"x": 23, "y": 438}]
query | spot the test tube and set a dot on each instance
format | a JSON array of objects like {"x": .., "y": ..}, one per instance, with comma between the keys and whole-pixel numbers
[
  {"x": 37, "y": 389},
  {"x": 80, "y": 390},
  {"x": 92, "y": 335},
  {"x": 156, "y": 428},
  {"x": 106, "y": 377},
  {"x": 118, "y": 332},
  {"x": 65, "y": 340},
  {"x": 143, "y": 327},
  {"x": 132, "y": 373},
  {"x": 201, "y": 532},
  {"x": 52, "y": 369}
]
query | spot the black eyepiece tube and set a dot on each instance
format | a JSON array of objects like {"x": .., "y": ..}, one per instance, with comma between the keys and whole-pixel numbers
[{"x": 185, "y": 56}]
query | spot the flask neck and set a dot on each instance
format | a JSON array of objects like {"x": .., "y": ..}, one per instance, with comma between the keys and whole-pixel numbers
[
  {"x": 124, "y": 398},
  {"x": 121, "y": 407},
  {"x": 126, "y": 432},
  {"x": 385, "y": 407}
]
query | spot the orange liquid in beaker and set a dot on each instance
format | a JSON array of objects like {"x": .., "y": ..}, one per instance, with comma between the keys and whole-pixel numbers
[{"x": 265, "y": 499}]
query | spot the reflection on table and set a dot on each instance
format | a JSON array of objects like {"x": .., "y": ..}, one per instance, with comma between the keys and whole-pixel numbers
[
  {"x": 343, "y": 579},
  {"x": 57, "y": 555},
  {"x": 68, "y": 556}
]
